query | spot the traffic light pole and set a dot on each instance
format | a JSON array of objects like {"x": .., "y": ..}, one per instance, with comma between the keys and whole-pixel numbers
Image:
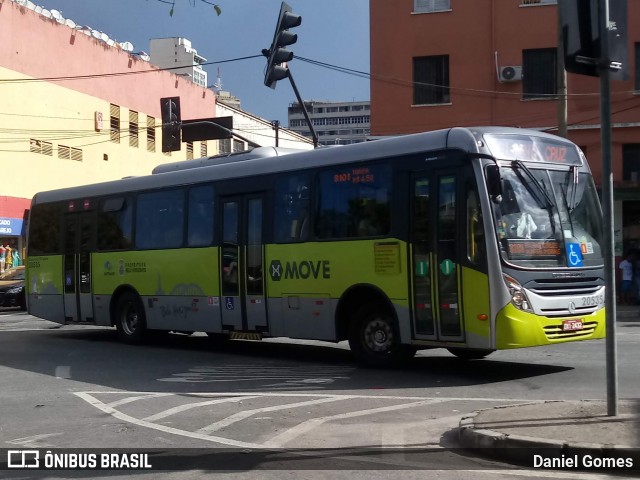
[
  {"x": 604, "y": 67},
  {"x": 304, "y": 110}
]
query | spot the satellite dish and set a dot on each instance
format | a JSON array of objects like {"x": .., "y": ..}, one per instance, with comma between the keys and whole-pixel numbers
[
  {"x": 104, "y": 37},
  {"x": 22, "y": 3},
  {"x": 111, "y": 42},
  {"x": 127, "y": 46},
  {"x": 96, "y": 34},
  {"x": 38, "y": 9},
  {"x": 45, "y": 13},
  {"x": 31, "y": 5},
  {"x": 144, "y": 56},
  {"x": 70, "y": 23}
]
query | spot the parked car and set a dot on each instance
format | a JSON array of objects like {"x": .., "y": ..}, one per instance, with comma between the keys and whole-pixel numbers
[{"x": 12, "y": 292}]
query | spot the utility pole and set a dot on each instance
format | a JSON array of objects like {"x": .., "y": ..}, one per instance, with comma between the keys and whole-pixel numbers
[
  {"x": 562, "y": 83},
  {"x": 276, "y": 127}
]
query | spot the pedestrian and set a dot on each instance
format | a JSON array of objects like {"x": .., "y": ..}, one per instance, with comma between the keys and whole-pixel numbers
[{"x": 626, "y": 267}]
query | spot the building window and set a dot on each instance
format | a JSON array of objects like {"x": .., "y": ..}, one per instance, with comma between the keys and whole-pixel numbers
[
  {"x": 224, "y": 145},
  {"x": 631, "y": 162},
  {"x": 41, "y": 147},
  {"x": 189, "y": 150},
  {"x": 69, "y": 153},
  {"x": 539, "y": 2},
  {"x": 203, "y": 149},
  {"x": 114, "y": 123},
  {"x": 133, "y": 128},
  {"x": 151, "y": 134},
  {"x": 637, "y": 66},
  {"x": 238, "y": 146},
  {"x": 540, "y": 79},
  {"x": 430, "y": 80},
  {"x": 429, "y": 6}
]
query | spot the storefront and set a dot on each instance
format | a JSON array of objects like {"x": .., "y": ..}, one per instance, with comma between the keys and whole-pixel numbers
[{"x": 13, "y": 212}]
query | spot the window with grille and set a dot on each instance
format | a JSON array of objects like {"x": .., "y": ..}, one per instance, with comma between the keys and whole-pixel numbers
[
  {"x": 428, "y": 6},
  {"x": 431, "y": 80},
  {"x": 203, "y": 149},
  {"x": 151, "y": 134},
  {"x": 41, "y": 147},
  {"x": 189, "y": 150},
  {"x": 64, "y": 152},
  {"x": 76, "y": 154},
  {"x": 114, "y": 123},
  {"x": 238, "y": 146},
  {"x": 539, "y": 2},
  {"x": 224, "y": 145},
  {"x": 539, "y": 73},
  {"x": 133, "y": 128}
]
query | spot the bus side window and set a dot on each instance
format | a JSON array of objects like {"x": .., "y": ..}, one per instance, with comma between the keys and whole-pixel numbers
[
  {"x": 115, "y": 221},
  {"x": 291, "y": 216},
  {"x": 200, "y": 223}
]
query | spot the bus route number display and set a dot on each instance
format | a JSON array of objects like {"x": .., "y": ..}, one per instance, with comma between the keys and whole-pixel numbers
[
  {"x": 525, "y": 249},
  {"x": 355, "y": 175}
]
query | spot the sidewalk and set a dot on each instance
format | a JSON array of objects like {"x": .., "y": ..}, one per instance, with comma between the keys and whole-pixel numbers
[{"x": 558, "y": 429}]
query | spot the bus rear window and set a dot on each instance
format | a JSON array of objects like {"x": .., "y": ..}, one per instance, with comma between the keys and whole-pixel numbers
[{"x": 44, "y": 229}]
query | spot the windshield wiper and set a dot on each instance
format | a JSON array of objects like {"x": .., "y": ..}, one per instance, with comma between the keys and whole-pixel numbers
[
  {"x": 573, "y": 171},
  {"x": 544, "y": 201}
]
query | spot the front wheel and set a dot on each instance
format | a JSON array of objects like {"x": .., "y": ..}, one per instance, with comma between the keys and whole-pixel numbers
[
  {"x": 374, "y": 338},
  {"x": 130, "y": 318}
]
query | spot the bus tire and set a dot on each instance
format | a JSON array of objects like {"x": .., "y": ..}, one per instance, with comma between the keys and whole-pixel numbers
[
  {"x": 130, "y": 318},
  {"x": 374, "y": 338},
  {"x": 217, "y": 339},
  {"x": 469, "y": 353}
]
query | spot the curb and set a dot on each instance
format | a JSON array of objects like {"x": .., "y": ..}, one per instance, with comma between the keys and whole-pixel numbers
[{"x": 517, "y": 448}]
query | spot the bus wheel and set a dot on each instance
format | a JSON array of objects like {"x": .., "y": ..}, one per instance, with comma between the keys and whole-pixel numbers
[
  {"x": 374, "y": 340},
  {"x": 217, "y": 339},
  {"x": 470, "y": 353},
  {"x": 130, "y": 318}
]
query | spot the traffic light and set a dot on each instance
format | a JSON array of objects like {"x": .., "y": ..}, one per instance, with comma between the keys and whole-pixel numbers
[
  {"x": 171, "y": 123},
  {"x": 277, "y": 54}
]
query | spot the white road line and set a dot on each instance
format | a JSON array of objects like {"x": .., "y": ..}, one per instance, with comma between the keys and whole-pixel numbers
[
  {"x": 248, "y": 413},
  {"x": 126, "y": 400},
  {"x": 163, "y": 428},
  {"x": 338, "y": 396},
  {"x": 188, "y": 406},
  {"x": 305, "y": 427},
  {"x": 34, "y": 441}
]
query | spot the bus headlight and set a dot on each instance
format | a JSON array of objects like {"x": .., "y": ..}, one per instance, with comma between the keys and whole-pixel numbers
[{"x": 518, "y": 297}]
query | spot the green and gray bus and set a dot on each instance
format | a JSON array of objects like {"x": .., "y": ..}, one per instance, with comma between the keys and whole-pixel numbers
[{"x": 469, "y": 239}]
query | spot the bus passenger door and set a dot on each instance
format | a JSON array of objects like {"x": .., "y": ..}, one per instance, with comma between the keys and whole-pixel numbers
[
  {"x": 435, "y": 264},
  {"x": 78, "y": 235},
  {"x": 242, "y": 265}
]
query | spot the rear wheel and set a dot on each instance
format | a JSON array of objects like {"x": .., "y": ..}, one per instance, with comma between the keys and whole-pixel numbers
[
  {"x": 130, "y": 318},
  {"x": 470, "y": 353},
  {"x": 218, "y": 339},
  {"x": 374, "y": 339}
]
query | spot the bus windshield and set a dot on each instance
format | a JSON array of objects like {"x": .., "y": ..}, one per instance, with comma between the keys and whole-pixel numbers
[{"x": 548, "y": 218}]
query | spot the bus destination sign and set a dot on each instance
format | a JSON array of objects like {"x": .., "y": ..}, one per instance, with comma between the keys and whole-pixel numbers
[{"x": 532, "y": 149}]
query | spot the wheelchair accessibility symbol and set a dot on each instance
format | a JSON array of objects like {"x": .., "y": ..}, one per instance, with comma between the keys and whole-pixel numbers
[{"x": 574, "y": 255}]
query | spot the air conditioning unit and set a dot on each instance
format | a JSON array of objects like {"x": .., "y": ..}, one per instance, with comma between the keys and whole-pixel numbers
[{"x": 511, "y": 73}]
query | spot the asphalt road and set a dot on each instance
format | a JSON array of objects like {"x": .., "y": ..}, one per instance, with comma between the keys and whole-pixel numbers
[{"x": 78, "y": 387}]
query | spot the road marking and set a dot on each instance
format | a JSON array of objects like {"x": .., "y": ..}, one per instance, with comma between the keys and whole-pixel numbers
[
  {"x": 163, "y": 428},
  {"x": 34, "y": 441},
  {"x": 124, "y": 401},
  {"x": 307, "y": 426},
  {"x": 188, "y": 406},
  {"x": 248, "y": 413}
]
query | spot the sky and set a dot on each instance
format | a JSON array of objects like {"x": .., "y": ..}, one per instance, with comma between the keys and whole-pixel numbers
[{"x": 332, "y": 31}]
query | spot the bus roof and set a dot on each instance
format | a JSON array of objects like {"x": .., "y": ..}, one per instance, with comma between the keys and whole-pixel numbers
[{"x": 462, "y": 138}]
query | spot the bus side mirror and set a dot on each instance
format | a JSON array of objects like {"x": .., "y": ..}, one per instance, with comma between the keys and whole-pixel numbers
[{"x": 494, "y": 183}]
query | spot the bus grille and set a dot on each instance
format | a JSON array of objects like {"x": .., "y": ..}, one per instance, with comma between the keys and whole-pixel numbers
[
  {"x": 554, "y": 332},
  {"x": 556, "y": 287}
]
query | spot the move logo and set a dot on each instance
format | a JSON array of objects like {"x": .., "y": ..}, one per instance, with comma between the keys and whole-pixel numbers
[{"x": 299, "y": 270}]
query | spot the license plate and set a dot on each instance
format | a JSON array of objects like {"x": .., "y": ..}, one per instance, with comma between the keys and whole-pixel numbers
[{"x": 571, "y": 325}]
